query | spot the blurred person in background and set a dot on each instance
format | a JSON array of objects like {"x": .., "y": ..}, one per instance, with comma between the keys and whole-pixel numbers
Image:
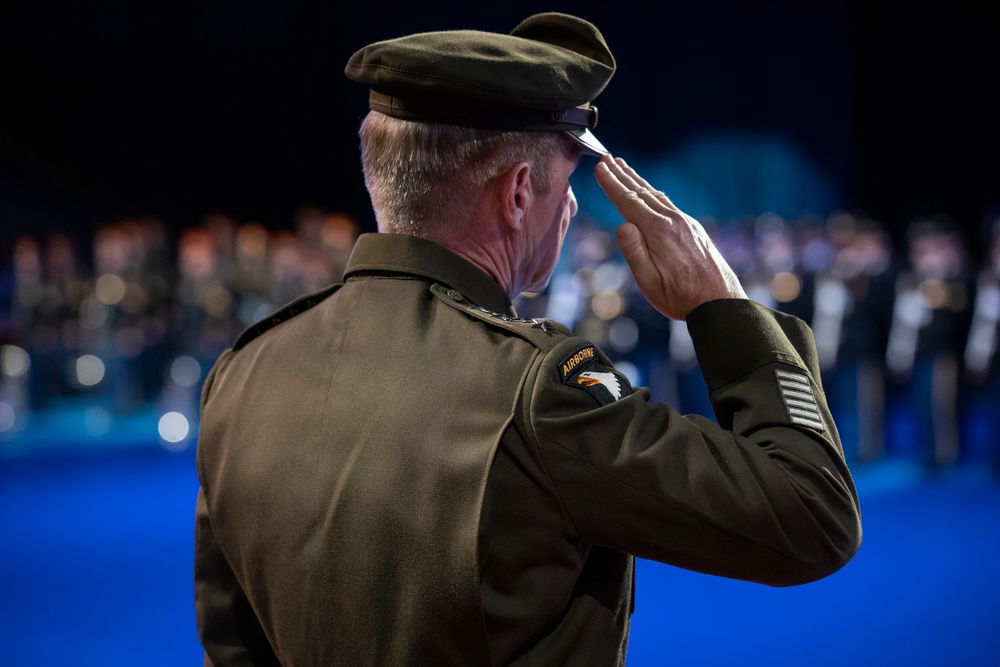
[
  {"x": 204, "y": 319},
  {"x": 310, "y": 266},
  {"x": 851, "y": 319},
  {"x": 981, "y": 363},
  {"x": 50, "y": 293},
  {"x": 401, "y": 470},
  {"x": 287, "y": 271},
  {"x": 28, "y": 327},
  {"x": 930, "y": 323},
  {"x": 151, "y": 296},
  {"x": 337, "y": 237},
  {"x": 222, "y": 229},
  {"x": 774, "y": 279},
  {"x": 124, "y": 316},
  {"x": 252, "y": 273}
]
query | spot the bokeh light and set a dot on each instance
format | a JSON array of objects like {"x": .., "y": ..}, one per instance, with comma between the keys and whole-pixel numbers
[
  {"x": 7, "y": 417},
  {"x": 109, "y": 289},
  {"x": 174, "y": 427},
  {"x": 14, "y": 361},
  {"x": 185, "y": 371},
  {"x": 89, "y": 370}
]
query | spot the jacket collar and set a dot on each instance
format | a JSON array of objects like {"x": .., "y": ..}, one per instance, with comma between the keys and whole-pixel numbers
[{"x": 409, "y": 255}]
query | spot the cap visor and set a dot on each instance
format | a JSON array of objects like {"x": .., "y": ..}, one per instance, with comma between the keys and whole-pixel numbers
[{"x": 586, "y": 139}]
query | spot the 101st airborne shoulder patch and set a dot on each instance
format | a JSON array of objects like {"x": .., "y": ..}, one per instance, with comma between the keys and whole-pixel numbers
[
  {"x": 800, "y": 402},
  {"x": 582, "y": 370}
]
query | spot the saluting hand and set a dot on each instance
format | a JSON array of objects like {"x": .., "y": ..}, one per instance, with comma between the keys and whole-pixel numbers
[{"x": 674, "y": 262}]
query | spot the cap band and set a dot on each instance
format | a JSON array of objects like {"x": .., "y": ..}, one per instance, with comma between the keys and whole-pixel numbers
[
  {"x": 459, "y": 111},
  {"x": 580, "y": 116}
]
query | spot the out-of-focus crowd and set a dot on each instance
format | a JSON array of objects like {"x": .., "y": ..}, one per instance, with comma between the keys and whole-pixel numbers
[
  {"x": 135, "y": 321},
  {"x": 906, "y": 330}
]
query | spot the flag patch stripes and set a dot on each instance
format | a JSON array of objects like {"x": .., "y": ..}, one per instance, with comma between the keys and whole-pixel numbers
[{"x": 800, "y": 402}]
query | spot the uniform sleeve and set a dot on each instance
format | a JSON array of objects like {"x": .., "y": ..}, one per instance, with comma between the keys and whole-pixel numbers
[
  {"x": 764, "y": 495},
  {"x": 227, "y": 625}
]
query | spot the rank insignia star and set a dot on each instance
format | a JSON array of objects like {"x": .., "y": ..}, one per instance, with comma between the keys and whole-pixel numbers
[{"x": 535, "y": 323}]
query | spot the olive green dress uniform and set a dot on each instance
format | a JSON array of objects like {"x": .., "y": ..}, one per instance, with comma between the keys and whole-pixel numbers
[{"x": 400, "y": 471}]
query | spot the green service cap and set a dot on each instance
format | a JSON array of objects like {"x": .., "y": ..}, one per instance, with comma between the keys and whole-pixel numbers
[{"x": 540, "y": 78}]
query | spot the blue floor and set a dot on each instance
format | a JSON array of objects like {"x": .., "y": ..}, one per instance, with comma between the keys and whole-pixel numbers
[{"x": 95, "y": 560}]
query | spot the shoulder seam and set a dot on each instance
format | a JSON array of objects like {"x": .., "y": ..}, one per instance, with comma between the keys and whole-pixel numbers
[
  {"x": 283, "y": 314},
  {"x": 543, "y": 333}
]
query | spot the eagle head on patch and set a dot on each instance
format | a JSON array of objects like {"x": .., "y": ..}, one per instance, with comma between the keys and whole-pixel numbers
[{"x": 609, "y": 381}]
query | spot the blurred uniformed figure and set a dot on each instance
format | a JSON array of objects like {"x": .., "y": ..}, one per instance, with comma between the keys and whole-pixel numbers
[
  {"x": 775, "y": 278},
  {"x": 981, "y": 360},
  {"x": 31, "y": 330},
  {"x": 251, "y": 273},
  {"x": 205, "y": 317},
  {"x": 851, "y": 319},
  {"x": 400, "y": 470},
  {"x": 929, "y": 326}
]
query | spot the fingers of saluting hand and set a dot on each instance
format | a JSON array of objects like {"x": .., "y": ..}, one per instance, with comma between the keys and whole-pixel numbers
[
  {"x": 639, "y": 206},
  {"x": 630, "y": 193}
]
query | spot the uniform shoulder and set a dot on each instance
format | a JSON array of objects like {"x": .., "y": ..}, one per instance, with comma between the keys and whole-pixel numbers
[
  {"x": 543, "y": 333},
  {"x": 283, "y": 314}
]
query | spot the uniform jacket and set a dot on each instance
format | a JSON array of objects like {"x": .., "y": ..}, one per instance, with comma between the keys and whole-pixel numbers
[{"x": 399, "y": 471}]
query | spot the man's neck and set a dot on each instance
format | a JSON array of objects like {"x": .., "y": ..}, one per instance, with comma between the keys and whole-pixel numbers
[{"x": 493, "y": 259}]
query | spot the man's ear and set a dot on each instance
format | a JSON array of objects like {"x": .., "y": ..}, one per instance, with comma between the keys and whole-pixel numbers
[{"x": 516, "y": 194}]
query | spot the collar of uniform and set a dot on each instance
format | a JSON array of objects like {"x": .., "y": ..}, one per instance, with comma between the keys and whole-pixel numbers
[{"x": 409, "y": 255}]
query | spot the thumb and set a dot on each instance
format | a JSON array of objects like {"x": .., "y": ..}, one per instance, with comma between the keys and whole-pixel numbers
[
  {"x": 632, "y": 245},
  {"x": 647, "y": 277}
]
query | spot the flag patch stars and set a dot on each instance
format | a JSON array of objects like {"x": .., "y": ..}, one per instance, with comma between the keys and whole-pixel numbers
[{"x": 800, "y": 402}]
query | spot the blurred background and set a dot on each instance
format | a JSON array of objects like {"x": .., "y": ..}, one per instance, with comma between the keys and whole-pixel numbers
[{"x": 171, "y": 173}]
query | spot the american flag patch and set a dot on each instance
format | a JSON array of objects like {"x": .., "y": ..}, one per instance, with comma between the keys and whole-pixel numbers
[{"x": 797, "y": 392}]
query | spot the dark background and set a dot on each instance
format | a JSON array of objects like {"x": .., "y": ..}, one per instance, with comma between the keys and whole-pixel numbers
[{"x": 113, "y": 108}]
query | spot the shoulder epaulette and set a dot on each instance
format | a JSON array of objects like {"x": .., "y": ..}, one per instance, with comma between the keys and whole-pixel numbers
[
  {"x": 540, "y": 332},
  {"x": 285, "y": 313}
]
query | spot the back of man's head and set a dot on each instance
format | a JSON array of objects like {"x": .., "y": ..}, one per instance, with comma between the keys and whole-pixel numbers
[
  {"x": 452, "y": 109},
  {"x": 428, "y": 179}
]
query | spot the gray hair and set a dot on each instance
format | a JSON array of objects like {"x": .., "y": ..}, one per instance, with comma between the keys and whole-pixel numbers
[{"x": 424, "y": 179}]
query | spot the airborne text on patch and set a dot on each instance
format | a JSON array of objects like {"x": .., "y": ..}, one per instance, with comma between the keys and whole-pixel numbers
[{"x": 570, "y": 364}]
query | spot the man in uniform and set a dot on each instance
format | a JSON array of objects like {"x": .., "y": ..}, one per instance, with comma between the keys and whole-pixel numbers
[{"x": 399, "y": 470}]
